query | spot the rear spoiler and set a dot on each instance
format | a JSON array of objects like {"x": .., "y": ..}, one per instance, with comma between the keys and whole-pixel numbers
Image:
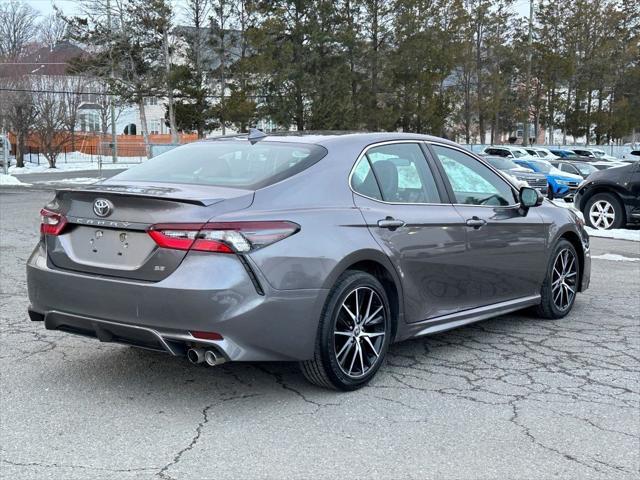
[{"x": 158, "y": 193}]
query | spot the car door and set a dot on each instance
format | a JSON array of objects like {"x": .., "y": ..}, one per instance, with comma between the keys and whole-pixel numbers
[
  {"x": 406, "y": 210},
  {"x": 632, "y": 200},
  {"x": 505, "y": 256}
]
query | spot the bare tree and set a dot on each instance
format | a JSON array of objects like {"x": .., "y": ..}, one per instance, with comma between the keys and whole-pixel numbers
[
  {"x": 50, "y": 118},
  {"x": 165, "y": 27},
  {"x": 72, "y": 99},
  {"x": 18, "y": 28},
  {"x": 104, "y": 106},
  {"x": 53, "y": 29},
  {"x": 18, "y": 111}
]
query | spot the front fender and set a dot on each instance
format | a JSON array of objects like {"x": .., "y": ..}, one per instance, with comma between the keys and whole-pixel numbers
[{"x": 565, "y": 223}]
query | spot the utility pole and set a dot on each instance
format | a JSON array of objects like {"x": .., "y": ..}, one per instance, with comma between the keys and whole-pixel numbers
[
  {"x": 112, "y": 108},
  {"x": 6, "y": 146},
  {"x": 525, "y": 124}
]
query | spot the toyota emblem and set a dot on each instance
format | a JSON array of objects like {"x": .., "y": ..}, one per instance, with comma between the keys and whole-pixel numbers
[{"x": 102, "y": 207}]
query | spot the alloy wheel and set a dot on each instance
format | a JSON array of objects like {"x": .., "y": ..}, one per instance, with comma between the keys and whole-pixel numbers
[
  {"x": 359, "y": 332},
  {"x": 564, "y": 279},
  {"x": 602, "y": 214}
]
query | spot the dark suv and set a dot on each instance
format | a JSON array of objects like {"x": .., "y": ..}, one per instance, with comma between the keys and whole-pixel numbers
[{"x": 611, "y": 198}]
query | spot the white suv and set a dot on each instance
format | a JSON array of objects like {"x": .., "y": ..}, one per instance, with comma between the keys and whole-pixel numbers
[
  {"x": 509, "y": 151},
  {"x": 542, "y": 153}
]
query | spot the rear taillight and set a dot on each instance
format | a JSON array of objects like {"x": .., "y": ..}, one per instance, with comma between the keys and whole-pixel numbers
[
  {"x": 52, "y": 223},
  {"x": 226, "y": 237}
]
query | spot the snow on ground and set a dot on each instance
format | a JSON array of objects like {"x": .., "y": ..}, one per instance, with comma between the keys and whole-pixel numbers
[
  {"x": 614, "y": 257},
  {"x": 10, "y": 180},
  {"x": 75, "y": 180},
  {"x": 615, "y": 233},
  {"x": 73, "y": 161}
]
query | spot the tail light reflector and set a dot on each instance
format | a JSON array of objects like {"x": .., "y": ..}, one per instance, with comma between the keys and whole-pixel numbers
[
  {"x": 221, "y": 237},
  {"x": 207, "y": 335},
  {"x": 52, "y": 223}
]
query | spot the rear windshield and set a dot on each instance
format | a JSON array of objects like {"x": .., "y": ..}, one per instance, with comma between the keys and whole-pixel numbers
[{"x": 232, "y": 163}]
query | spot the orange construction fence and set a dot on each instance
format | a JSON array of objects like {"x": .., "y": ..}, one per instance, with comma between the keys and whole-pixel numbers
[{"x": 91, "y": 143}]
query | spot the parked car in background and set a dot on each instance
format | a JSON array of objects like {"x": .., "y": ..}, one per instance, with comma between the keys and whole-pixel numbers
[
  {"x": 561, "y": 184},
  {"x": 611, "y": 198},
  {"x": 523, "y": 174},
  {"x": 573, "y": 156},
  {"x": 583, "y": 152},
  {"x": 320, "y": 249},
  {"x": 601, "y": 154},
  {"x": 584, "y": 169},
  {"x": 596, "y": 157},
  {"x": 541, "y": 152},
  {"x": 632, "y": 156},
  {"x": 507, "y": 151}
]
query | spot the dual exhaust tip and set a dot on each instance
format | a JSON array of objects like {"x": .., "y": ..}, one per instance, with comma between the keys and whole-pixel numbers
[{"x": 200, "y": 355}]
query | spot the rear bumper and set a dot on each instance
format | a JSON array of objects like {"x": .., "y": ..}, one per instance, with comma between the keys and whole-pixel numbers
[{"x": 210, "y": 293}]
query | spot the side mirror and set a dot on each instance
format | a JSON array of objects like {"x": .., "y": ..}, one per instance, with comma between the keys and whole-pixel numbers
[{"x": 530, "y": 197}]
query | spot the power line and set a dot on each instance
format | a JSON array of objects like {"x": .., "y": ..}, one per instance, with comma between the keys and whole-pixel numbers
[
  {"x": 27, "y": 90},
  {"x": 34, "y": 63}
]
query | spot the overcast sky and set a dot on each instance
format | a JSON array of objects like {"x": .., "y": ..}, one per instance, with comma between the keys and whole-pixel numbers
[{"x": 69, "y": 7}]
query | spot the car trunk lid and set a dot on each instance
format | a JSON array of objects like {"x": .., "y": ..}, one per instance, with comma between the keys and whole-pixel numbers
[{"x": 114, "y": 241}]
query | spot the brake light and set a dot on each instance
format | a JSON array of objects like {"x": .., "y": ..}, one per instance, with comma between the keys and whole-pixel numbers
[
  {"x": 223, "y": 237},
  {"x": 52, "y": 223}
]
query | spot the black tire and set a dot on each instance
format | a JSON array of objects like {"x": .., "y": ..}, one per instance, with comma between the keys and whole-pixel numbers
[
  {"x": 324, "y": 369},
  {"x": 550, "y": 195},
  {"x": 548, "y": 308},
  {"x": 618, "y": 210}
]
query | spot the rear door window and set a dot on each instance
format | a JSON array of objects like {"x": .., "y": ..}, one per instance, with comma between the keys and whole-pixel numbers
[{"x": 395, "y": 173}]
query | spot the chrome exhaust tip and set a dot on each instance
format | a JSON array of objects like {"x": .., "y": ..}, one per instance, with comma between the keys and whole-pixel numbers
[
  {"x": 212, "y": 358},
  {"x": 196, "y": 355}
]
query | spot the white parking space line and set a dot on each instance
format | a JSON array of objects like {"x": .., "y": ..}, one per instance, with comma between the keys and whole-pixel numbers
[{"x": 614, "y": 257}]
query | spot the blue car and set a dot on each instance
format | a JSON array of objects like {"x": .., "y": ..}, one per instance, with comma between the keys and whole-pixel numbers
[
  {"x": 566, "y": 154},
  {"x": 561, "y": 184}
]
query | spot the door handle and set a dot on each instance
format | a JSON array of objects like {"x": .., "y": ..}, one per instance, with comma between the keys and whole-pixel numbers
[
  {"x": 475, "y": 222},
  {"x": 390, "y": 223}
]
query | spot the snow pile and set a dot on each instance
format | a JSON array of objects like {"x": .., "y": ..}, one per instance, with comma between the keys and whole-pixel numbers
[
  {"x": 76, "y": 180},
  {"x": 66, "y": 167},
  {"x": 10, "y": 180},
  {"x": 616, "y": 233}
]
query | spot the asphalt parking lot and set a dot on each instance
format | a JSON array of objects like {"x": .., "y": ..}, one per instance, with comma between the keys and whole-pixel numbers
[{"x": 509, "y": 398}]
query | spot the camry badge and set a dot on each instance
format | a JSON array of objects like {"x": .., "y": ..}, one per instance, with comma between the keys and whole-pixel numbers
[{"x": 102, "y": 207}]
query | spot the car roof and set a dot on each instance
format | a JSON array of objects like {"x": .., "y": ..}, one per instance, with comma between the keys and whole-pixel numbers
[{"x": 337, "y": 138}]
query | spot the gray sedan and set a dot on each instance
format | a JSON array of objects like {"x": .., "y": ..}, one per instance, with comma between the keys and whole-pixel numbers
[{"x": 321, "y": 249}]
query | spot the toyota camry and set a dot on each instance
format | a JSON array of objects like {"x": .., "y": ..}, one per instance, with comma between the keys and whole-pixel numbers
[{"x": 318, "y": 249}]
